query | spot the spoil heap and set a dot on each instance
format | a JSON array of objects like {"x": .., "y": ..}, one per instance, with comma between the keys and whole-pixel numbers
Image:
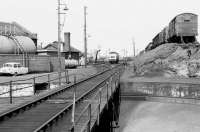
[{"x": 169, "y": 60}]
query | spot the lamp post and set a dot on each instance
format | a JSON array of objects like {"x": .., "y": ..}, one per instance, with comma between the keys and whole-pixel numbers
[
  {"x": 133, "y": 47},
  {"x": 59, "y": 38},
  {"x": 59, "y": 42},
  {"x": 85, "y": 35}
]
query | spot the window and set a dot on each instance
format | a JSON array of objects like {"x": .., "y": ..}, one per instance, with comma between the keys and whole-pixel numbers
[
  {"x": 7, "y": 65},
  {"x": 15, "y": 65},
  {"x": 186, "y": 20}
]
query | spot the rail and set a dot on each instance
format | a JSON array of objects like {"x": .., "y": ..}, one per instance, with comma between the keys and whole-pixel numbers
[{"x": 106, "y": 86}]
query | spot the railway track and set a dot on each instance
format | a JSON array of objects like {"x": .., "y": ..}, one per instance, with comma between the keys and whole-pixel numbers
[{"x": 43, "y": 112}]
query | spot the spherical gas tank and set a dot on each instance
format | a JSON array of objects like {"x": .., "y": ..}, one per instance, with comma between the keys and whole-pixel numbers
[
  {"x": 27, "y": 44},
  {"x": 7, "y": 45}
]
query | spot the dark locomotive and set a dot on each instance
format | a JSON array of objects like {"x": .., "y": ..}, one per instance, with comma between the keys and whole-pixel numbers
[{"x": 182, "y": 29}]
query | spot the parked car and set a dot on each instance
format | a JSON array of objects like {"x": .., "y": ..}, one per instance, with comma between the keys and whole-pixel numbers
[
  {"x": 13, "y": 68},
  {"x": 71, "y": 63}
]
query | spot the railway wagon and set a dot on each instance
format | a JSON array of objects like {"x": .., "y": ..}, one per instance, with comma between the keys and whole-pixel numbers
[
  {"x": 166, "y": 34},
  {"x": 155, "y": 41},
  {"x": 113, "y": 58},
  {"x": 183, "y": 28},
  {"x": 149, "y": 46}
]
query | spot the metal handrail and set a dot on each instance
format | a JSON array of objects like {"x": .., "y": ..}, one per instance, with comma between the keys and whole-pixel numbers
[
  {"x": 81, "y": 114},
  {"x": 15, "y": 90},
  {"x": 66, "y": 108},
  {"x": 32, "y": 81},
  {"x": 98, "y": 105},
  {"x": 85, "y": 125}
]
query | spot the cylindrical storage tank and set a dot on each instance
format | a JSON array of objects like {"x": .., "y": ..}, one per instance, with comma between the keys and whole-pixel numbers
[
  {"x": 27, "y": 44},
  {"x": 7, "y": 45}
]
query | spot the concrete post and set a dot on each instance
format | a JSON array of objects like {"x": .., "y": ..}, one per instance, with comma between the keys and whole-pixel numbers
[
  {"x": 10, "y": 91},
  {"x": 89, "y": 115},
  {"x": 49, "y": 84}
]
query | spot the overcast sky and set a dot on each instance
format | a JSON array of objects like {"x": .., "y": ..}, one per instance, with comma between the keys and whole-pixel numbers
[{"x": 111, "y": 23}]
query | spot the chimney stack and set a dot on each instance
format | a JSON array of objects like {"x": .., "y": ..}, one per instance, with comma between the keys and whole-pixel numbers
[{"x": 67, "y": 46}]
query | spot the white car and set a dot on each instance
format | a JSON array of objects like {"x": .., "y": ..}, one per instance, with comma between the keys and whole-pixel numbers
[
  {"x": 13, "y": 68},
  {"x": 71, "y": 63}
]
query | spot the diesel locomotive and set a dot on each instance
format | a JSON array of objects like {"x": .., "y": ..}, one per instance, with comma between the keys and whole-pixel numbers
[{"x": 113, "y": 57}]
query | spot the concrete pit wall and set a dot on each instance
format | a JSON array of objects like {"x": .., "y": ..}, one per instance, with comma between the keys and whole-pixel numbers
[{"x": 35, "y": 63}]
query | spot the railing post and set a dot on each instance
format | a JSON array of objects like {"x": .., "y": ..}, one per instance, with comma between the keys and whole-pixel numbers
[
  {"x": 34, "y": 89},
  {"x": 100, "y": 96},
  {"x": 111, "y": 85},
  {"x": 73, "y": 108},
  {"x": 107, "y": 95},
  {"x": 115, "y": 85},
  {"x": 74, "y": 79},
  {"x": 107, "y": 83},
  {"x": 98, "y": 114},
  {"x": 89, "y": 115},
  {"x": 10, "y": 91},
  {"x": 179, "y": 91},
  {"x": 59, "y": 77},
  {"x": 119, "y": 75},
  {"x": 99, "y": 108},
  {"x": 65, "y": 76},
  {"x": 49, "y": 84}
]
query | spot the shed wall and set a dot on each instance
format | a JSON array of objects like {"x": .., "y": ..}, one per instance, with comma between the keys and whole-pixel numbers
[{"x": 35, "y": 63}]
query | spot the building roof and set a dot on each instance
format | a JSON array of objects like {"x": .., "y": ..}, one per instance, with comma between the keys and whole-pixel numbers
[
  {"x": 54, "y": 46},
  {"x": 15, "y": 29}
]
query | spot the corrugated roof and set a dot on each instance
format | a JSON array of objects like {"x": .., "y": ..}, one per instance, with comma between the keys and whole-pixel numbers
[{"x": 15, "y": 29}]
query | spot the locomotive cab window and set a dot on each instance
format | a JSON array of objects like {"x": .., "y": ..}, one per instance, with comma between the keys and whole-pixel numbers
[{"x": 186, "y": 20}]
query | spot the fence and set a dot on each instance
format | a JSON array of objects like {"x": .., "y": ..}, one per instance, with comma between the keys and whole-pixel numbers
[{"x": 52, "y": 78}]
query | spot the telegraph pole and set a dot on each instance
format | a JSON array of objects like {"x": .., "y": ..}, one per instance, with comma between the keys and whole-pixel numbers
[
  {"x": 85, "y": 35},
  {"x": 59, "y": 43},
  {"x": 133, "y": 47}
]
